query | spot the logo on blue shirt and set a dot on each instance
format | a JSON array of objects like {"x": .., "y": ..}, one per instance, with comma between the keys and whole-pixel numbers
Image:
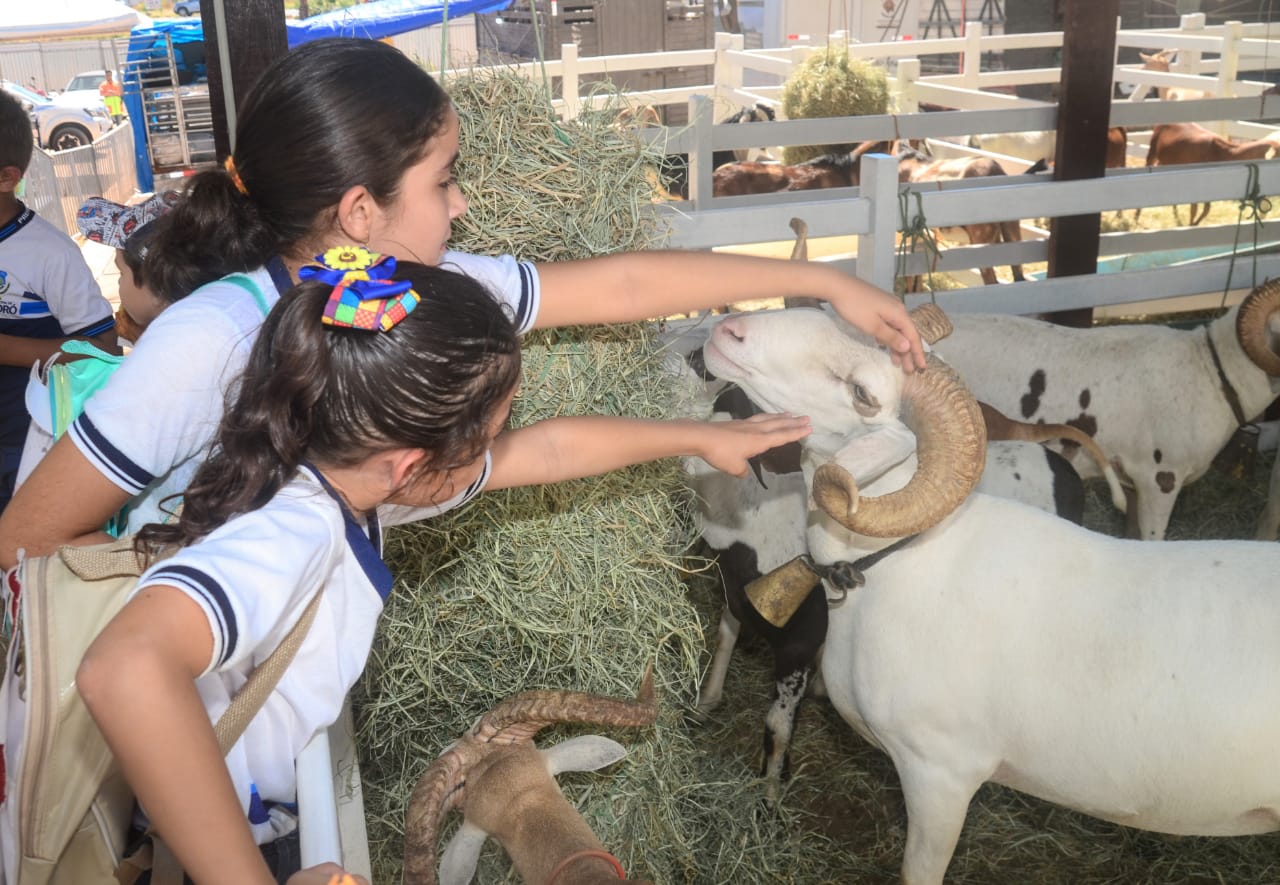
[{"x": 4, "y": 282}]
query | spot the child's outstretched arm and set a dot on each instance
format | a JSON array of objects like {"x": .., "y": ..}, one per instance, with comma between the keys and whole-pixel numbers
[
  {"x": 643, "y": 285},
  {"x": 138, "y": 681},
  {"x": 568, "y": 448}
]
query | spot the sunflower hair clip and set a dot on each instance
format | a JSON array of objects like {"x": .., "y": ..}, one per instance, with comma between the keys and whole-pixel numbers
[{"x": 364, "y": 296}]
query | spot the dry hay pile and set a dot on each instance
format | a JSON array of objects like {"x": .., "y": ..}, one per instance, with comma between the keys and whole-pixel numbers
[{"x": 830, "y": 83}]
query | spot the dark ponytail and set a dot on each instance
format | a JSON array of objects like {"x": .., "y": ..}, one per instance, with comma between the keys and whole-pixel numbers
[
  {"x": 335, "y": 396},
  {"x": 330, "y": 115}
]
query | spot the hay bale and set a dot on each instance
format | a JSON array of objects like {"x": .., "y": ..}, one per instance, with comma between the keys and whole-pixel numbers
[
  {"x": 571, "y": 586},
  {"x": 829, "y": 83}
]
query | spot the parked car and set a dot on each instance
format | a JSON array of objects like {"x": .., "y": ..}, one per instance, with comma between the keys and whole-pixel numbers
[
  {"x": 186, "y": 7},
  {"x": 59, "y": 127},
  {"x": 82, "y": 90}
]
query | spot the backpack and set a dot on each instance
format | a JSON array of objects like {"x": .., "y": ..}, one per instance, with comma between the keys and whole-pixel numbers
[{"x": 65, "y": 809}]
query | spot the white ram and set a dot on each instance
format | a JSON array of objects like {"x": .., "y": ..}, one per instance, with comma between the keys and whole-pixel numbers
[
  {"x": 1130, "y": 681},
  {"x": 755, "y": 524},
  {"x": 1161, "y": 401}
]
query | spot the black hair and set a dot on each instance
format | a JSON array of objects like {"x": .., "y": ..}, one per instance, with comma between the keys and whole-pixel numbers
[
  {"x": 16, "y": 139},
  {"x": 330, "y": 115},
  {"x": 336, "y": 395}
]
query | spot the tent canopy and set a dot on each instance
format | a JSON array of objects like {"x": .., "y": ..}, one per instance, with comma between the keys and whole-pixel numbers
[
  {"x": 67, "y": 18},
  {"x": 385, "y": 18}
]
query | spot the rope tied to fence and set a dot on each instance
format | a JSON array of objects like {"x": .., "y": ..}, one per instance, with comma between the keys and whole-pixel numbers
[
  {"x": 916, "y": 233},
  {"x": 1254, "y": 207}
]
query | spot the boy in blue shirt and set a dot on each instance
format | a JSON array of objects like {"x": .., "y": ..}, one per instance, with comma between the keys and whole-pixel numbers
[{"x": 47, "y": 293}]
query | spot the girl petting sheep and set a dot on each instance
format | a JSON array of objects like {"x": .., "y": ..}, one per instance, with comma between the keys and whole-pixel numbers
[
  {"x": 360, "y": 390},
  {"x": 372, "y": 395},
  {"x": 341, "y": 141}
]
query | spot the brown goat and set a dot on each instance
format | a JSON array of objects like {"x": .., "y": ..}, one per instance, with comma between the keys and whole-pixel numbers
[
  {"x": 1160, "y": 62},
  {"x": 1176, "y": 143},
  {"x": 914, "y": 168}
]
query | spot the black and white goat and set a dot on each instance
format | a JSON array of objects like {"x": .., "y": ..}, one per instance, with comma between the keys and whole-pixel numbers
[{"x": 1161, "y": 401}]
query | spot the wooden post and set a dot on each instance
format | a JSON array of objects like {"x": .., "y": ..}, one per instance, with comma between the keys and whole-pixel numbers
[
  {"x": 701, "y": 115},
  {"x": 905, "y": 84},
  {"x": 1084, "y": 113},
  {"x": 972, "y": 62},
  {"x": 726, "y": 74},
  {"x": 570, "y": 88},
  {"x": 253, "y": 37}
]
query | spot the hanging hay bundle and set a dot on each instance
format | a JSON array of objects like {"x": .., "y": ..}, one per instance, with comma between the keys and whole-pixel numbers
[{"x": 830, "y": 83}]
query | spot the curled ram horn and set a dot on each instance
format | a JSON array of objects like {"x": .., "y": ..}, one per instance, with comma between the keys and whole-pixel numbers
[
  {"x": 930, "y": 321},
  {"x": 1251, "y": 326},
  {"x": 514, "y": 720},
  {"x": 951, "y": 449}
]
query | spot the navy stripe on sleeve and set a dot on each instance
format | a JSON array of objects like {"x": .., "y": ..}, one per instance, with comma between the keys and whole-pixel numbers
[
  {"x": 525, "y": 308},
  {"x": 128, "y": 475},
  {"x": 96, "y": 328},
  {"x": 211, "y": 591}
]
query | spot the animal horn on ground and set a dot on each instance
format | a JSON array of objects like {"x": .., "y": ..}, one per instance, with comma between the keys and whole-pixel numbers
[
  {"x": 442, "y": 786},
  {"x": 1251, "y": 326},
  {"x": 951, "y": 450}
]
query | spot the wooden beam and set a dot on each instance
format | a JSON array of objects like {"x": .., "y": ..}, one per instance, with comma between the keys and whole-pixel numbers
[
  {"x": 1084, "y": 109},
  {"x": 255, "y": 37}
]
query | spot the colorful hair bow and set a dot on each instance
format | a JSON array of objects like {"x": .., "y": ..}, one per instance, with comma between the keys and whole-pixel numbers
[{"x": 364, "y": 295}]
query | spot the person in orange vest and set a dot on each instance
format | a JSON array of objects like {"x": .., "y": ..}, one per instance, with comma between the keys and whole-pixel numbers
[{"x": 112, "y": 97}]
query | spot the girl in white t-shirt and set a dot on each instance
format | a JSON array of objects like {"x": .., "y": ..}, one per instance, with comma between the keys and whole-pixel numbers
[
  {"x": 355, "y": 396},
  {"x": 347, "y": 140}
]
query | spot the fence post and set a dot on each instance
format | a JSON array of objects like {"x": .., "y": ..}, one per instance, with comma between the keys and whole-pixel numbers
[
  {"x": 907, "y": 75},
  {"x": 972, "y": 54},
  {"x": 702, "y": 115},
  {"x": 569, "y": 81},
  {"x": 875, "y": 263},
  {"x": 727, "y": 74},
  {"x": 1229, "y": 59}
]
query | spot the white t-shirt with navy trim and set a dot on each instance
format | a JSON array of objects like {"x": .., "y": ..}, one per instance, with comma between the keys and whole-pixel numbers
[
  {"x": 46, "y": 291},
  {"x": 252, "y": 578},
  {"x": 151, "y": 426}
]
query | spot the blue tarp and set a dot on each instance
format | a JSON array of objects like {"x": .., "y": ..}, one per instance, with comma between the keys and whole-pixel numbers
[
  {"x": 385, "y": 18},
  {"x": 382, "y": 18}
]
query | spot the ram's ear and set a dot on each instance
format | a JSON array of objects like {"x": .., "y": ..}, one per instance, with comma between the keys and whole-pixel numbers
[
  {"x": 462, "y": 855},
  {"x": 588, "y": 752},
  {"x": 869, "y": 456}
]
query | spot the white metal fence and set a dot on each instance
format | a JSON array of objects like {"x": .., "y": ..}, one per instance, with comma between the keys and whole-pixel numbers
[
  {"x": 51, "y": 65},
  {"x": 1213, "y": 60},
  {"x": 58, "y": 183}
]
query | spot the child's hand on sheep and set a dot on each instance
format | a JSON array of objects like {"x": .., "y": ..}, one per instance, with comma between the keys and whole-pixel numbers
[{"x": 727, "y": 445}]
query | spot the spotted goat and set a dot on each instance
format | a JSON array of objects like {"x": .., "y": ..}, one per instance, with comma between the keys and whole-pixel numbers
[{"x": 1162, "y": 402}]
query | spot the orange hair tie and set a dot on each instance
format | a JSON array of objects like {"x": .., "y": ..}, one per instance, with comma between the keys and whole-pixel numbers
[{"x": 229, "y": 164}]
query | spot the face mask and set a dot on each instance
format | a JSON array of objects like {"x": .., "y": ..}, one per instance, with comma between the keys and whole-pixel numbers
[{"x": 72, "y": 382}]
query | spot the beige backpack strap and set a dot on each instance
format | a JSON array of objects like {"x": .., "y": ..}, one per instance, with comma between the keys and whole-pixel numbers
[
  {"x": 262, "y": 681},
  {"x": 155, "y": 854},
  {"x": 100, "y": 562}
]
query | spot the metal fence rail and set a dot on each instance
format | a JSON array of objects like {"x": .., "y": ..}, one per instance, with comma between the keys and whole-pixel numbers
[{"x": 58, "y": 183}]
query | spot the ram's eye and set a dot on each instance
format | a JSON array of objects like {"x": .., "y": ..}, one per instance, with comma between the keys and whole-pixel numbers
[{"x": 864, "y": 402}]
